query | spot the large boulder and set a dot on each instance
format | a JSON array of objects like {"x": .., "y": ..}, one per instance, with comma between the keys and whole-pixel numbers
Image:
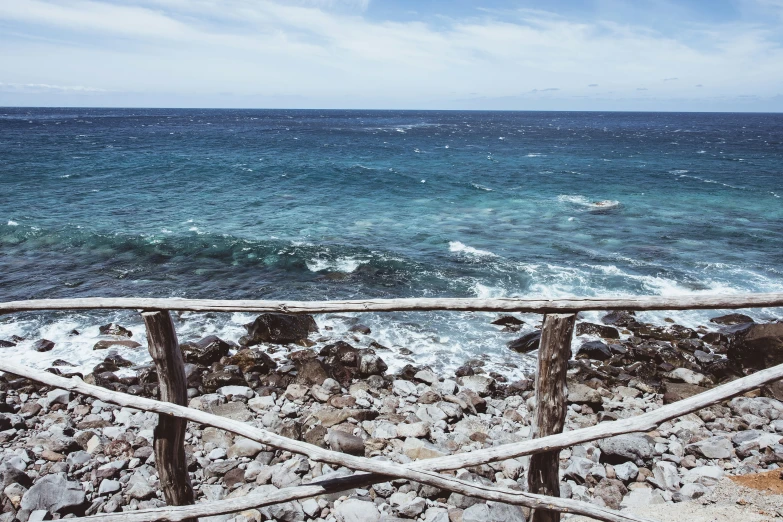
[
  {"x": 252, "y": 361},
  {"x": 206, "y": 351},
  {"x": 607, "y": 332},
  {"x": 55, "y": 494},
  {"x": 756, "y": 346},
  {"x": 279, "y": 329},
  {"x": 633, "y": 447},
  {"x": 595, "y": 350},
  {"x": 732, "y": 319}
]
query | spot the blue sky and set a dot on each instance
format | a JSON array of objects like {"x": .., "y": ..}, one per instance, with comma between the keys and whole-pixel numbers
[{"x": 723, "y": 55}]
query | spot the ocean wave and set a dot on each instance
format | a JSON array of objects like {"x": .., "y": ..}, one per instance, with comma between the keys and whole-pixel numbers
[
  {"x": 582, "y": 201},
  {"x": 480, "y": 187},
  {"x": 462, "y": 248},
  {"x": 12, "y": 223},
  {"x": 346, "y": 265}
]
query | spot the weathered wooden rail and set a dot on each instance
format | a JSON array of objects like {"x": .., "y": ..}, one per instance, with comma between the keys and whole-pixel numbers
[{"x": 543, "y": 473}]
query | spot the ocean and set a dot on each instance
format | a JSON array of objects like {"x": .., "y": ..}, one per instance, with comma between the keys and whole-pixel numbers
[{"x": 317, "y": 204}]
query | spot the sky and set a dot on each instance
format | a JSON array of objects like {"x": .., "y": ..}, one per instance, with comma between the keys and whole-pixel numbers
[{"x": 639, "y": 55}]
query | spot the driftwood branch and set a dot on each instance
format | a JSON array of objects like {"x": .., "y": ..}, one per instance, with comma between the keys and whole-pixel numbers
[
  {"x": 417, "y": 472},
  {"x": 170, "y": 432},
  {"x": 543, "y": 475},
  {"x": 543, "y": 306}
]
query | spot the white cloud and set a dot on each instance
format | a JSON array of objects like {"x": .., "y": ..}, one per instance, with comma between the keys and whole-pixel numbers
[{"x": 324, "y": 50}]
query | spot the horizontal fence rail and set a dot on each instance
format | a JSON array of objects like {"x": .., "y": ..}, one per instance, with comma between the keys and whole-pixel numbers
[
  {"x": 550, "y": 391},
  {"x": 466, "y": 304}
]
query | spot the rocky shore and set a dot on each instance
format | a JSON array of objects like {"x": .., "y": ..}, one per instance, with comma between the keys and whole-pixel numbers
[{"x": 65, "y": 455}]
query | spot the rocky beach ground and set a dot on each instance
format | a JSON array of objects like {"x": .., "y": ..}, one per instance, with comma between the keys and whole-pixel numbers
[{"x": 66, "y": 455}]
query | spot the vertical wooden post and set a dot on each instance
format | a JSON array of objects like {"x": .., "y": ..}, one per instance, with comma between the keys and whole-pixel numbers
[
  {"x": 170, "y": 433},
  {"x": 553, "y": 355}
]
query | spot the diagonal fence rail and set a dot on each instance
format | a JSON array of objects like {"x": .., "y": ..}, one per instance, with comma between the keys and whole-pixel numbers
[{"x": 550, "y": 398}]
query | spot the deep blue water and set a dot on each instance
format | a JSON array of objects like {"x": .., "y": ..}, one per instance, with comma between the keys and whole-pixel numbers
[{"x": 344, "y": 204}]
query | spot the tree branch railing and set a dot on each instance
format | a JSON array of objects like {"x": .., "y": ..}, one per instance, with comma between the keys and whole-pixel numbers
[{"x": 550, "y": 388}]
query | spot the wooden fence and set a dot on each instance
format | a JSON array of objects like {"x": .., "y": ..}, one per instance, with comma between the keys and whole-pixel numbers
[{"x": 550, "y": 388}]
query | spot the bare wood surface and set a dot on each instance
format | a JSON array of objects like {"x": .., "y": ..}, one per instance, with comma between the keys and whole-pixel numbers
[
  {"x": 378, "y": 471},
  {"x": 543, "y": 306},
  {"x": 543, "y": 476},
  {"x": 170, "y": 432}
]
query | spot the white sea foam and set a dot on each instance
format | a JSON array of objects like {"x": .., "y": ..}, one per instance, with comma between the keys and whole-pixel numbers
[
  {"x": 534, "y": 155},
  {"x": 345, "y": 265},
  {"x": 12, "y": 223},
  {"x": 480, "y": 187},
  {"x": 582, "y": 201},
  {"x": 462, "y": 248}
]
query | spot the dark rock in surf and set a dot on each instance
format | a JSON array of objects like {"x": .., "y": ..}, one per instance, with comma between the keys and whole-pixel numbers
[
  {"x": 526, "y": 343},
  {"x": 360, "y": 328},
  {"x": 508, "y": 320},
  {"x": 206, "y": 351},
  {"x": 621, "y": 318},
  {"x": 6, "y": 344},
  {"x": 732, "y": 319},
  {"x": 104, "y": 344},
  {"x": 595, "y": 350},
  {"x": 607, "y": 332},
  {"x": 756, "y": 346},
  {"x": 115, "y": 329},
  {"x": 279, "y": 329},
  {"x": 43, "y": 345}
]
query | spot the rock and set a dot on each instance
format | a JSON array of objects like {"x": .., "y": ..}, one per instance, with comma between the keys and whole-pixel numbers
[
  {"x": 595, "y": 350},
  {"x": 329, "y": 418},
  {"x": 413, "y": 508},
  {"x": 693, "y": 491},
  {"x": 280, "y": 328},
  {"x": 687, "y": 376},
  {"x": 666, "y": 476},
  {"x": 403, "y": 388},
  {"x": 243, "y": 447},
  {"x": 582, "y": 394},
  {"x": 622, "y": 448},
  {"x": 480, "y": 384},
  {"x": 355, "y": 510},
  {"x": 756, "y": 346},
  {"x": 108, "y": 487},
  {"x": 711, "y": 448},
  {"x": 607, "y": 332},
  {"x": 108, "y": 343},
  {"x": 611, "y": 491},
  {"x": 360, "y": 328},
  {"x": 384, "y": 430},
  {"x": 418, "y": 449},
  {"x": 679, "y": 391},
  {"x": 229, "y": 376},
  {"x": 732, "y": 319},
  {"x": 311, "y": 372},
  {"x": 345, "y": 443},
  {"x": 765, "y": 407},
  {"x": 295, "y": 392},
  {"x": 371, "y": 364},
  {"x": 578, "y": 469},
  {"x": 140, "y": 490},
  {"x": 627, "y": 471},
  {"x": 55, "y": 494},
  {"x": 57, "y": 396},
  {"x": 708, "y": 476},
  {"x": 619, "y": 318},
  {"x": 43, "y": 345},
  {"x": 508, "y": 320},
  {"x": 115, "y": 329},
  {"x": 493, "y": 512},
  {"x": 238, "y": 391},
  {"x": 415, "y": 429},
  {"x": 526, "y": 343},
  {"x": 206, "y": 351},
  {"x": 252, "y": 361}
]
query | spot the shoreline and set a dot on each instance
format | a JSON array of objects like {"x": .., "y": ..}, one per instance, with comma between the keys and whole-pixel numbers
[{"x": 345, "y": 398}]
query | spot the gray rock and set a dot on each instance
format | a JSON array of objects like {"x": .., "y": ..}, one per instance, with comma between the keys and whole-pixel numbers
[
  {"x": 413, "y": 508},
  {"x": 421, "y": 449},
  {"x": 626, "y": 471},
  {"x": 693, "y": 491},
  {"x": 403, "y": 388},
  {"x": 355, "y": 510},
  {"x": 243, "y": 447},
  {"x": 109, "y": 486},
  {"x": 666, "y": 476},
  {"x": 704, "y": 475},
  {"x": 493, "y": 512},
  {"x": 759, "y": 406},
  {"x": 578, "y": 469},
  {"x": 622, "y": 448},
  {"x": 415, "y": 429},
  {"x": 582, "y": 394},
  {"x": 55, "y": 494},
  {"x": 345, "y": 442},
  {"x": 611, "y": 491},
  {"x": 712, "y": 448},
  {"x": 480, "y": 384}
]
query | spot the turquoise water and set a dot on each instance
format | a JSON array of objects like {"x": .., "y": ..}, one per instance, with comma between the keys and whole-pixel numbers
[{"x": 349, "y": 204}]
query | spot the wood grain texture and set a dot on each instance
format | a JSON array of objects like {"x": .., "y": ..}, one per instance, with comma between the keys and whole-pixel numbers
[
  {"x": 544, "y": 306},
  {"x": 543, "y": 475},
  {"x": 170, "y": 432}
]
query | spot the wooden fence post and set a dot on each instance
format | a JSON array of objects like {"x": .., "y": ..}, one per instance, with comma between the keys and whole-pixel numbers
[
  {"x": 553, "y": 355},
  {"x": 170, "y": 432}
]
